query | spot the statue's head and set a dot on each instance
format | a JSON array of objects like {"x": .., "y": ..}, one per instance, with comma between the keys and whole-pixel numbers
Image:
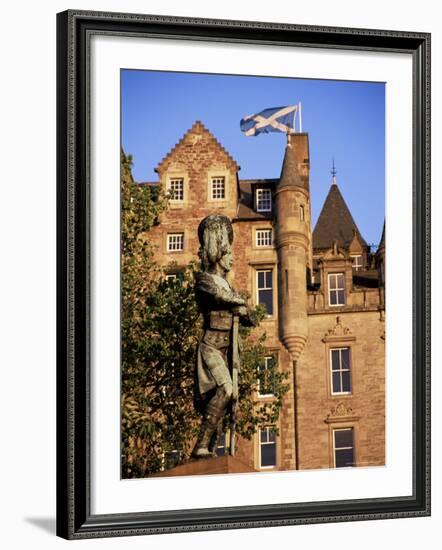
[{"x": 215, "y": 234}]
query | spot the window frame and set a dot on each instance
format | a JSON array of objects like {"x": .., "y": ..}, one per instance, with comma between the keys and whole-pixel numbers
[
  {"x": 357, "y": 267},
  {"x": 175, "y": 250},
  {"x": 272, "y": 288},
  {"x": 258, "y": 191},
  {"x": 302, "y": 212},
  {"x": 163, "y": 457},
  {"x": 337, "y": 289},
  {"x": 340, "y": 348},
  {"x": 264, "y": 395},
  {"x": 353, "y": 448},
  {"x": 171, "y": 179},
  {"x": 212, "y": 181},
  {"x": 260, "y": 443},
  {"x": 262, "y": 230}
]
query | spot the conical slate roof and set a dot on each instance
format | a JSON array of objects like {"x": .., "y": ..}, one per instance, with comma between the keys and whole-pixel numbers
[
  {"x": 335, "y": 223},
  {"x": 381, "y": 247}
]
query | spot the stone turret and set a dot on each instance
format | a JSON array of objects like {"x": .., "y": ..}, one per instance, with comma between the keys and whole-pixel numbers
[
  {"x": 380, "y": 265},
  {"x": 294, "y": 243}
]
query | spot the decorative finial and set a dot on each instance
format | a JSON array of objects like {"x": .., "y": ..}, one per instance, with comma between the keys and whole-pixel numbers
[{"x": 334, "y": 172}]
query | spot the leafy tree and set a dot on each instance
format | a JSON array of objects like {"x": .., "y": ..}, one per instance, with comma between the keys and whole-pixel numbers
[{"x": 161, "y": 327}]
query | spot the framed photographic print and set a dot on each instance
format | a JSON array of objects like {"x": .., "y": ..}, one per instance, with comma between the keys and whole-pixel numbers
[{"x": 236, "y": 347}]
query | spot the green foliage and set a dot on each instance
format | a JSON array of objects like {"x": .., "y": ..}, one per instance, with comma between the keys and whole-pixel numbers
[{"x": 161, "y": 328}]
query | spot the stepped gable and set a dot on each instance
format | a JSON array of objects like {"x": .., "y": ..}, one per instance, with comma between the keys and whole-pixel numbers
[
  {"x": 335, "y": 223},
  {"x": 197, "y": 128}
]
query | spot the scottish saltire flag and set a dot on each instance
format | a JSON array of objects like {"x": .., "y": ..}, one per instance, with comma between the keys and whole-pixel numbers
[{"x": 275, "y": 119}]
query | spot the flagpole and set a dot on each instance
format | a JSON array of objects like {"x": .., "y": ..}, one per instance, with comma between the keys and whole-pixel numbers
[{"x": 300, "y": 117}]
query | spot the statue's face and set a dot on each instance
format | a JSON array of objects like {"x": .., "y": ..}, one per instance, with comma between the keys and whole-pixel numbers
[{"x": 226, "y": 262}]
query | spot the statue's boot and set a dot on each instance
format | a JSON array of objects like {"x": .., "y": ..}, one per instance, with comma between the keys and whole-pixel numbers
[
  {"x": 215, "y": 411},
  {"x": 208, "y": 436},
  {"x": 213, "y": 444},
  {"x": 208, "y": 427}
]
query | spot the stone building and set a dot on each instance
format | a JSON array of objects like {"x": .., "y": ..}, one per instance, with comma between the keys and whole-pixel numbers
[{"x": 323, "y": 290}]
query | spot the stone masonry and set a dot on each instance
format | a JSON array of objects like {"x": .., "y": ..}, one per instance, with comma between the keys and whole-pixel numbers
[{"x": 306, "y": 268}]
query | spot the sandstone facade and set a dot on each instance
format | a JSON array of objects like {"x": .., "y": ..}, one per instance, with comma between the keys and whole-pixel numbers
[{"x": 326, "y": 288}]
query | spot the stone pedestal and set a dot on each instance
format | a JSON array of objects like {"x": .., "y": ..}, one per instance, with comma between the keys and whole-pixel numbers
[{"x": 220, "y": 465}]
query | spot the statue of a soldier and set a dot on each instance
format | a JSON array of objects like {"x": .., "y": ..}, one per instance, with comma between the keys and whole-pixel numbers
[{"x": 217, "y": 363}]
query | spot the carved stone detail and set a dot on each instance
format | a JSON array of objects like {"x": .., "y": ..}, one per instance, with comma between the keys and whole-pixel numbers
[
  {"x": 341, "y": 410},
  {"x": 339, "y": 331},
  {"x": 341, "y": 413}
]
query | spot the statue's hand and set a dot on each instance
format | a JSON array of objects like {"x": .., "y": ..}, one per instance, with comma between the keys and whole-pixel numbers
[
  {"x": 240, "y": 310},
  {"x": 240, "y": 301}
]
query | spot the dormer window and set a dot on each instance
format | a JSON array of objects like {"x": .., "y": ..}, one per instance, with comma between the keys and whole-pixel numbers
[
  {"x": 357, "y": 262},
  {"x": 336, "y": 289},
  {"x": 263, "y": 200}
]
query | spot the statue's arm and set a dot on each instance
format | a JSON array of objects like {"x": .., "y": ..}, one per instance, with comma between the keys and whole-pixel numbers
[
  {"x": 221, "y": 295},
  {"x": 248, "y": 317}
]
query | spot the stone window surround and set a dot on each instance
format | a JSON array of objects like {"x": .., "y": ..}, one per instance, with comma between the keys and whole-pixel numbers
[
  {"x": 258, "y": 453},
  {"x": 265, "y": 266},
  {"x": 302, "y": 212},
  {"x": 269, "y": 353},
  {"x": 335, "y": 342},
  {"x": 170, "y": 453},
  {"x": 330, "y": 350},
  {"x": 166, "y": 241},
  {"x": 255, "y": 240},
  {"x": 343, "y": 424},
  {"x": 330, "y": 274},
  {"x": 221, "y": 173},
  {"x": 178, "y": 175},
  {"x": 358, "y": 266},
  {"x": 255, "y": 199}
]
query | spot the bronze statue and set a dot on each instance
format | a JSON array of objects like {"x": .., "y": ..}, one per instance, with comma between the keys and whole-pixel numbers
[{"x": 217, "y": 363}]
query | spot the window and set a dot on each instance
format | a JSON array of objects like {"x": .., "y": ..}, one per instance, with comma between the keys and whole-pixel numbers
[
  {"x": 171, "y": 459},
  {"x": 176, "y": 188},
  {"x": 221, "y": 447},
  {"x": 357, "y": 262},
  {"x": 263, "y": 200},
  {"x": 264, "y": 289},
  {"x": 343, "y": 448},
  {"x": 267, "y": 448},
  {"x": 336, "y": 289},
  {"x": 265, "y": 386},
  {"x": 301, "y": 213},
  {"x": 218, "y": 188},
  {"x": 175, "y": 242},
  {"x": 340, "y": 370},
  {"x": 263, "y": 237}
]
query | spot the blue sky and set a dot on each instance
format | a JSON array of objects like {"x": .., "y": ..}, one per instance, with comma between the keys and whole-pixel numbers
[{"x": 345, "y": 121}]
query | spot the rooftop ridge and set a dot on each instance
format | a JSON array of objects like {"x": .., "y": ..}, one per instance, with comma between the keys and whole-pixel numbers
[{"x": 197, "y": 125}]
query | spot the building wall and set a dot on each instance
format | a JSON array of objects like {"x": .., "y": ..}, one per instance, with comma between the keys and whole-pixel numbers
[
  {"x": 309, "y": 412},
  {"x": 195, "y": 158},
  {"x": 319, "y": 412}
]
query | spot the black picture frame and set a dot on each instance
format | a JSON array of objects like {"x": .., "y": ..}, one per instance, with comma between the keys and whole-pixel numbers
[{"x": 74, "y": 518}]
